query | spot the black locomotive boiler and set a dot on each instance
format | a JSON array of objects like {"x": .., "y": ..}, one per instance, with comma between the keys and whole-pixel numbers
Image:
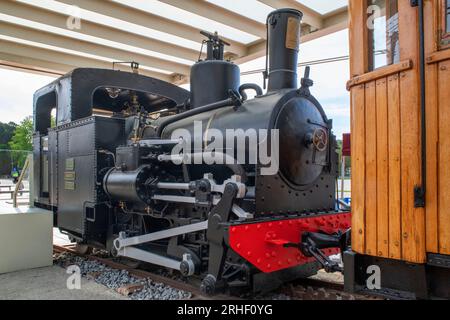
[{"x": 109, "y": 172}]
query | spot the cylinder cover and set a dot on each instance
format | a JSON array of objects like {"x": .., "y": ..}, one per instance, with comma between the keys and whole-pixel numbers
[{"x": 127, "y": 185}]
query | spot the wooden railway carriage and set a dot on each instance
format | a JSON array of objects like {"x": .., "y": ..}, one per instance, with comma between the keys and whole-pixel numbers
[{"x": 400, "y": 108}]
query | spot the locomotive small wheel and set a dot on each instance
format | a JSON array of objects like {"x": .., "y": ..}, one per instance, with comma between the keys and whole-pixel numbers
[
  {"x": 113, "y": 251},
  {"x": 116, "y": 244},
  {"x": 185, "y": 268},
  {"x": 320, "y": 139},
  {"x": 208, "y": 286},
  {"x": 83, "y": 248}
]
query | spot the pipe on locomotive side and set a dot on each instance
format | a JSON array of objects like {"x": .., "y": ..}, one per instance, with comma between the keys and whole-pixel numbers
[{"x": 233, "y": 100}]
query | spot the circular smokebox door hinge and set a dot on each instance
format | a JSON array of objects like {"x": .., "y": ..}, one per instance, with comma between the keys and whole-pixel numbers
[{"x": 320, "y": 139}]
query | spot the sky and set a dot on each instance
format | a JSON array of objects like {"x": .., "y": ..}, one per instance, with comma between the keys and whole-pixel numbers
[
  {"x": 17, "y": 88},
  {"x": 16, "y": 94}
]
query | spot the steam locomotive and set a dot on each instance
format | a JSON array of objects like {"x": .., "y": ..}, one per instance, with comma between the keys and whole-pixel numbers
[{"x": 134, "y": 166}]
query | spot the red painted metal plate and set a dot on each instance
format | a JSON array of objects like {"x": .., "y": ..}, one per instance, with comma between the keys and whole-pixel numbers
[
  {"x": 262, "y": 244},
  {"x": 346, "y": 145}
]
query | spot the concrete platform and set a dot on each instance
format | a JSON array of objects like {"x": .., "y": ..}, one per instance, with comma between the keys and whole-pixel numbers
[
  {"x": 50, "y": 284},
  {"x": 26, "y": 263},
  {"x": 60, "y": 239},
  {"x": 26, "y": 239}
]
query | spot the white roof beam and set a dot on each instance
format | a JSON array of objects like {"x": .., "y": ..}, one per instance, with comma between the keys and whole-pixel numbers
[
  {"x": 258, "y": 50},
  {"x": 219, "y": 14},
  {"x": 332, "y": 22},
  {"x": 60, "y": 58},
  {"x": 31, "y": 65},
  {"x": 310, "y": 16},
  {"x": 47, "y": 38},
  {"x": 152, "y": 21},
  {"x": 58, "y": 20},
  {"x": 336, "y": 17}
]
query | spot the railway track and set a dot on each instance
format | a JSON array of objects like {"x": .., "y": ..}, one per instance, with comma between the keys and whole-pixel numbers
[
  {"x": 315, "y": 289},
  {"x": 304, "y": 289},
  {"x": 142, "y": 274}
]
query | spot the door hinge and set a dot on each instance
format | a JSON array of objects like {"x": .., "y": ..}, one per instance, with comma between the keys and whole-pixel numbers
[{"x": 419, "y": 197}]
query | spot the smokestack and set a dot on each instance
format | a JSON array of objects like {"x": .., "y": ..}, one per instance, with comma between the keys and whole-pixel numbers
[{"x": 283, "y": 42}]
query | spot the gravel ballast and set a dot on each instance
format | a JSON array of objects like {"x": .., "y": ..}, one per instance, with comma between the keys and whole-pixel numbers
[{"x": 115, "y": 279}]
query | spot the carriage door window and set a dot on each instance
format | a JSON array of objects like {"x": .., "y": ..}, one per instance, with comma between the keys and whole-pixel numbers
[
  {"x": 445, "y": 39},
  {"x": 382, "y": 22},
  {"x": 448, "y": 17}
]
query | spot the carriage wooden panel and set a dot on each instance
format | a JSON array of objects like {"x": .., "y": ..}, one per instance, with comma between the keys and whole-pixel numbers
[
  {"x": 382, "y": 168},
  {"x": 386, "y": 162},
  {"x": 437, "y": 52},
  {"x": 371, "y": 168},
  {"x": 444, "y": 156},
  {"x": 431, "y": 46},
  {"x": 358, "y": 60},
  {"x": 394, "y": 175}
]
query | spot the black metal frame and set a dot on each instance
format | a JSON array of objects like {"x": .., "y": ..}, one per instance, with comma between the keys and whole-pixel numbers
[
  {"x": 420, "y": 191},
  {"x": 399, "y": 279}
]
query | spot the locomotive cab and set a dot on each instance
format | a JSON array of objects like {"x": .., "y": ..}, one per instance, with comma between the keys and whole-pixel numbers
[{"x": 112, "y": 99}]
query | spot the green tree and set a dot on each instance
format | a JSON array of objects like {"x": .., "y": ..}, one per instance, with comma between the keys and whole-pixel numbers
[
  {"x": 23, "y": 136},
  {"x": 22, "y": 141},
  {"x": 6, "y": 133}
]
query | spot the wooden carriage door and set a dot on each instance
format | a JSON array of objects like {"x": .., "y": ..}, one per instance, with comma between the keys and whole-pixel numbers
[
  {"x": 386, "y": 138},
  {"x": 437, "y": 53}
]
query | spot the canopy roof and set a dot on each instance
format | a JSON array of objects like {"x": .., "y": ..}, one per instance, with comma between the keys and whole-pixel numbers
[{"x": 163, "y": 36}]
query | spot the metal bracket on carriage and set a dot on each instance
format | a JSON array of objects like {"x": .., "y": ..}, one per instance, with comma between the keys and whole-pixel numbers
[{"x": 311, "y": 246}]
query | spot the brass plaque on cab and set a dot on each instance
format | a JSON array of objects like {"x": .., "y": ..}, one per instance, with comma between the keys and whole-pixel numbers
[
  {"x": 69, "y": 176},
  {"x": 69, "y": 185},
  {"x": 70, "y": 164}
]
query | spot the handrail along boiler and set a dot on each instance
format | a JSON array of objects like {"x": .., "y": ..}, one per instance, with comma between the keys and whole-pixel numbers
[{"x": 108, "y": 172}]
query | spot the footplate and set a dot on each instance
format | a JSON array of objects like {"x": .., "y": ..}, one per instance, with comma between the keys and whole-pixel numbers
[{"x": 263, "y": 244}]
